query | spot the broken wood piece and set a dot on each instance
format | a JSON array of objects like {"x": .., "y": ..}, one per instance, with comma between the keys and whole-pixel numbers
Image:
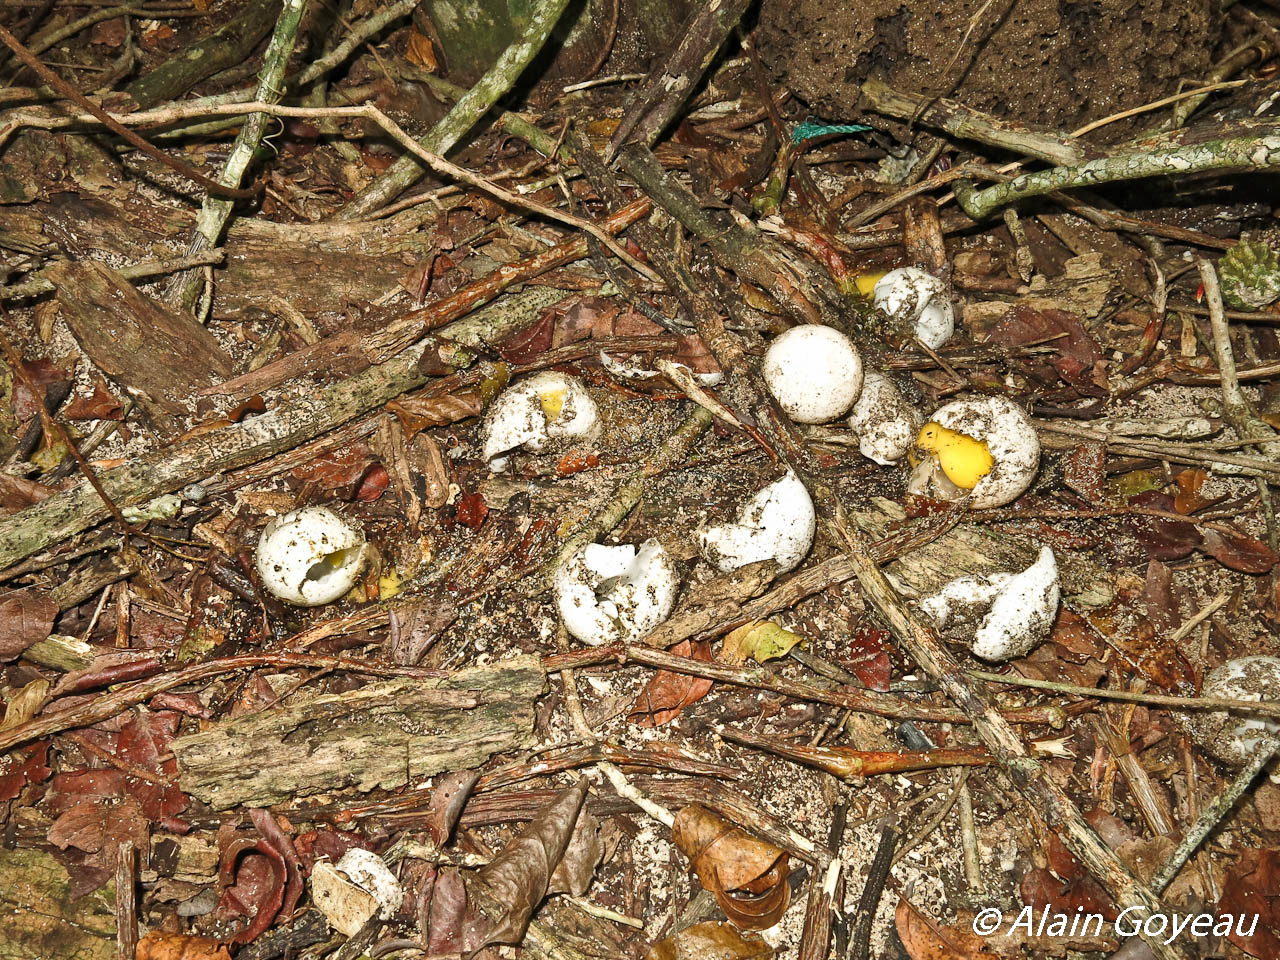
[
  {"x": 159, "y": 356},
  {"x": 382, "y": 735}
]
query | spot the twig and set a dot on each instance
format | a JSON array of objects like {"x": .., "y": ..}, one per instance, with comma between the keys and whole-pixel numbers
[
  {"x": 126, "y": 900},
  {"x": 939, "y": 814},
  {"x": 1200, "y": 92},
  {"x": 37, "y": 285},
  {"x": 872, "y": 890},
  {"x": 1237, "y": 154},
  {"x": 1211, "y": 814},
  {"x": 464, "y": 115},
  {"x": 969, "y": 839},
  {"x": 84, "y": 103}
]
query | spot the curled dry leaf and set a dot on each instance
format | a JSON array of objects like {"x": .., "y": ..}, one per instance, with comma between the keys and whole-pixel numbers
[
  {"x": 924, "y": 939},
  {"x": 668, "y": 693},
  {"x": 1252, "y": 890},
  {"x": 157, "y": 945},
  {"x": 746, "y": 875},
  {"x": 711, "y": 940},
  {"x": 26, "y": 617},
  {"x": 758, "y": 641},
  {"x": 447, "y": 800}
]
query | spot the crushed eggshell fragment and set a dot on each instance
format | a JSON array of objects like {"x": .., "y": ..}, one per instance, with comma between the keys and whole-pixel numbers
[
  {"x": 1002, "y": 616},
  {"x": 350, "y": 892},
  {"x": 918, "y": 300},
  {"x": 814, "y": 372},
  {"x": 1234, "y": 738},
  {"x": 311, "y": 556},
  {"x": 609, "y": 594},
  {"x": 533, "y": 412},
  {"x": 778, "y": 524},
  {"x": 883, "y": 420}
]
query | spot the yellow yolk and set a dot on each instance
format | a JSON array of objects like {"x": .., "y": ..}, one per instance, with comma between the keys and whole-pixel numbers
[
  {"x": 866, "y": 282},
  {"x": 552, "y": 404},
  {"x": 963, "y": 459}
]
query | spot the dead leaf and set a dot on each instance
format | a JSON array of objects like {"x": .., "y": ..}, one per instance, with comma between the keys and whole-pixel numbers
[
  {"x": 415, "y": 624},
  {"x": 25, "y": 703},
  {"x": 144, "y": 741},
  {"x": 26, "y": 617},
  {"x": 95, "y": 826},
  {"x": 1062, "y": 332},
  {"x": 758, "y": 641},
  {"x": 711, "y": 940},
  {"x": 157, "y": 945},
  {"x": 668, "y": 693},
  {"x": 21, "y": 767},
  {"x": 746, "y": 875},
  {"x": 925, "y": 940},
  {"x": 1238, "y": 551},
  {"x": 447, "y": 800},
  {"x": 1188, "y": 499},
  {"x": 252, "y": 875},
  {"x": 101, "y": 405},
  {"x": 1083, "y": 470},
  {"x": 1252, "y": 889},
  {"x": 868, "y": 657}
]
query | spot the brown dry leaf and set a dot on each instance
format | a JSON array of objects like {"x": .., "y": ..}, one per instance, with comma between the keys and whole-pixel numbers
[
  {"x": 711, "y": 940},
  {"x": 1238, "y": 551},
  {"x": 447, "y": 800},
  {"x": 101, "y": 405},
  {"x": 26, "y": 617},
  {"x": 180, "y": 946},
  {"x": 505, "y": 893},
  {"x": 25, "y": 703},
  {"x": 924, "y": 940},
  {"x": 420, "y": 52},
  {"x": 21, "y": 767},
  {"x": 418, "y": 413},
  {"x": 1083, "y": 471},
  {"x": 668, "y": 693},
  {"x": 747, "y": 876},
  {"x": 1188, "y": 499},
  {"x": 1251, "y": 894}
]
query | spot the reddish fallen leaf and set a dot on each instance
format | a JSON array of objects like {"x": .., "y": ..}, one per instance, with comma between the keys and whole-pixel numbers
[
  {"x": 711, "y": 940},
  {"x": 576, "y": 462},
  {"x": 373, "y": 484},
  {"x": 252, "y": 876},
  {"x": 95, "y": 826},
  {"x": 1158, "y": 601},
  {"x": 101, "y": 405},
  {"x": 180, "y": 946},
  {"x": 144, "y": 742},
  {"x": 1076, "y": 352},
  {"x": 1188, "y": 499},
  {"x": 924, "y": 939},
  {"x": 1252, "y": 889},
  {"x": 1238, "y": 551},
  {"x": 441, "y": 919},
  {"x": 273, "y": 834},
  {"x": 1163, "y": 539},
  {"x": 746, "y": 875},
  {"x": 326, "y": 844},
  {"x": 41, "y": 373},
  {"x": 528, "y": 342},
  {"x": 1083, "y": 471},
  {"x": 1041, "y": 888},
  {"x": 868, "y": 657},
  {"x": 338, "y": 474},
  {"x": 668, "y": 693},
  {"x": 26, "y": 617},
  {"x": 447, "y": 800},
  {"x": 21, "y": 767},
  {"x": 470, "y": 510}
]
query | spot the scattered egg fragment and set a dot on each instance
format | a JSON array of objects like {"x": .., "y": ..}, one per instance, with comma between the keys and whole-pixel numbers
[
  {"x": 983, "y": 447},
  {"x": 778, "y": 524},
  {"x": 1233, "y": 738},
  {"x": 616, "y": 594},
  {"x": 351, "y": 891},
  {"x": 311, "y": 556},
  {"x": 918, "y": 300},
  {"x": 814, "y": 372},
  {"x": 1012, "y": 612},
  {"x": 533, "y": 412},
  {"x": 883, "y": 419}
]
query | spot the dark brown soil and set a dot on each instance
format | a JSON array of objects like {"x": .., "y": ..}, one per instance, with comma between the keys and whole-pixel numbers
[{"x": 1048, "y": 61}]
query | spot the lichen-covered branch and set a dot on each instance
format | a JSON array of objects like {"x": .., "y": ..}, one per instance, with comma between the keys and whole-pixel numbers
[{"x": 1241, "y": 154}]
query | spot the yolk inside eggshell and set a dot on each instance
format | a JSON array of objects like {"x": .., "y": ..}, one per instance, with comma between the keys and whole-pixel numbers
[
  {"x": 963, "y": 459},
  {"x": 552, "y": 402}
]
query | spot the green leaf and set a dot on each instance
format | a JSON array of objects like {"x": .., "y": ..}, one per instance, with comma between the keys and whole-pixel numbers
[{"x": 759, "y": 641}]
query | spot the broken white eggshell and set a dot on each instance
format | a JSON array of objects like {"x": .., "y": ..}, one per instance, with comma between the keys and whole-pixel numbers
[
  {"x": 351, "y": 891},
  {"x": 814, "y": 372},
  {"x": 311, "y": 556},
  {"x": 616, "y": 594},
  {"x": 778, "y": 524},
  {"x": 1010, "y": 438},
  {"x": 630, "y": 368},
  {"x": 534, "y": 411},
  {"x": 1234, "y": 738},
  {"x": 884, "y": 421},
  {"x": 919, "y": 300},
  {"x": 1002, "y": 616}
]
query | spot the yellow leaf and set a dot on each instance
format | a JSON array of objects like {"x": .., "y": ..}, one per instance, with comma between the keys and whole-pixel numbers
[{"x": 758, "y": 641}]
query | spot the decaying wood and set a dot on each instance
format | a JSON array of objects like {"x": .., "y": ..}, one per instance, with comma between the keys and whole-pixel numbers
[
  {"x": 382, "y": 735},
  {"x": 159, "y": 356}
]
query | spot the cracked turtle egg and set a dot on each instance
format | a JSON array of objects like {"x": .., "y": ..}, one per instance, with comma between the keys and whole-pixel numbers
[
  {"x": 534, "y": 411},
  {"x": 918, "y": 300},
  {"x": 609, "y": 594},
  {"x": 1233, "y": 738},
  {"x": 311, "y": 556},
  {"x": 884, "y": 422},
  {"x": 814, "y": 372},
  {"x": 983, "y": 447},
  {"x": 776, "y": 524},
  {"x": 1003, "y": 615}
]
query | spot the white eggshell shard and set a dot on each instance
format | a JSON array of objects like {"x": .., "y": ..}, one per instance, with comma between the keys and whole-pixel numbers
[
  {"x": 1011, "y": 439},
  {"x": 616, "y": 594},
  {"x": 1233, "y": 738},
  {"x": 885, "y": 423},
  {"x": 778, "y": 524},
  {"x": 1003, "y": 616},
  {"x": 814, "y": 372},
  {"x": 535, "y": 410},
  {"x": 311, "y": 556},
  {"x": 919, "y": 300},
  {"x": 368, "y": 872}
]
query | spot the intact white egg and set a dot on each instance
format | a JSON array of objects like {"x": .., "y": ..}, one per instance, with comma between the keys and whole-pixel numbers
[
  {"x": 535, "y": 411},
  {"x": 311, "y": 556},
  {"x": 814, "y": 372},
  {"x": 778, "y": 524},
  {"x": 884, "y": 421},
  {"x": 1234, "y": 737},
  {"x": 918, "y": 300},
  {"x": 609, "y": 594}
]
